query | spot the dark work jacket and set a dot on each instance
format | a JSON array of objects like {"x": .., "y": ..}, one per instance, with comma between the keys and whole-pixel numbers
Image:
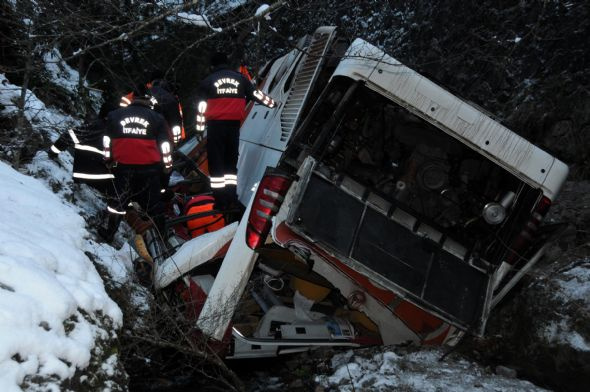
[
  {"x": 226, "y": 92},
  {"x": 136, "y": 135},
  {"x": 168, "y": 104},
  {"x": 88, "y": 151}
]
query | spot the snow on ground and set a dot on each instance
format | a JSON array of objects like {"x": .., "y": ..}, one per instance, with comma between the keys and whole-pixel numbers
[
  {"x": 561, "y": 332},
  {"x": 366, "y": 370},
  {"x": 88, "y": 204},
  {"x": 575, "y": 283},
  {"x": 380, "y": 369},
  {"x": 53, "y": 304},
  {"x": 47, "y": 284},
  {"x": 41, "y": 117},
  {"x": 573, "y": 291}
]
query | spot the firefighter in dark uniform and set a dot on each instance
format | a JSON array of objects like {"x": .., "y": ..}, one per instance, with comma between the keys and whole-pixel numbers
[
  {"x": 89, "y": 165},
  {"x": 169, "y": 106},
  {"x": 222, "y": 98},
  {"x": 137, "y": 146},
  {"x": 166, "y": 103}
]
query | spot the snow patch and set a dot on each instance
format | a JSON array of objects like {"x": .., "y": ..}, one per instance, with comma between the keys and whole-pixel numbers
[
  {"x": 168, "y": 3},
  {"x": 224, "y": 6},
  {"x": 50, "y": 291},
  {"x": 562, "y": 333},
  {"x": 193, "y": 19},
  {"x": 61, "y": 73},
  {"x": 263, "y": 10},
  {"x": 40, "y": 117},
  {"x": 65, "y": 76},
  {"x": 574, "y": 284},
  {"x": 414, "y": 371},
  {"x": 89, "y": 203},
  {"x": 573, "y": 292},
  {"x": 108, "y": 366}
]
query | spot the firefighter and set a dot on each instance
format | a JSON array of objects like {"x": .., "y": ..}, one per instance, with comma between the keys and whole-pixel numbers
[
  {"x": 167, "y": 104},
  {"x": 221, "y": 107},
  {"x": 89, "y": 166},
  {"x": 136, "y": 145}
]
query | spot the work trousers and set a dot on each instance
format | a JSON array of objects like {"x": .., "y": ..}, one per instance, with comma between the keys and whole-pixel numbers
[
  {"x": 223, "y": 140},
  {"x": 89, "y": 168},
  {"x": 140, "y": 184}
]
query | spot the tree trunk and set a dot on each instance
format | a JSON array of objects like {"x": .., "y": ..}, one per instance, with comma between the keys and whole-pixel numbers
[
  {"x": 22, "y": 101},
  {"x": 82, "y": 91}
]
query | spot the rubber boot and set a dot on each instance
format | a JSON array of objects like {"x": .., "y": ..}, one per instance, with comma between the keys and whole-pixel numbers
[{"x": 144, "y": 264}]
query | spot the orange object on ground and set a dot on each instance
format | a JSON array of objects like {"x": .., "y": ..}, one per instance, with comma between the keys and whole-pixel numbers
[{"x": 205, "y": 224}]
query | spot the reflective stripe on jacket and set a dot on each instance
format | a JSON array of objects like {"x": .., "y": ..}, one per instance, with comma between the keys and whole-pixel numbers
[
  {"x": 226, "y": 92},
  {"x": 136, "y": 135}
]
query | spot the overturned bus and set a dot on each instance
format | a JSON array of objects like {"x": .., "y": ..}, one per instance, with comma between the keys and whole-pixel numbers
[{"x": 381, "y": 209}]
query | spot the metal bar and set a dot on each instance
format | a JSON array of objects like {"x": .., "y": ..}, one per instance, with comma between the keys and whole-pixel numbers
[
  {"x": 512, "y": 282},
  {"x": 293, "y": 342}
]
